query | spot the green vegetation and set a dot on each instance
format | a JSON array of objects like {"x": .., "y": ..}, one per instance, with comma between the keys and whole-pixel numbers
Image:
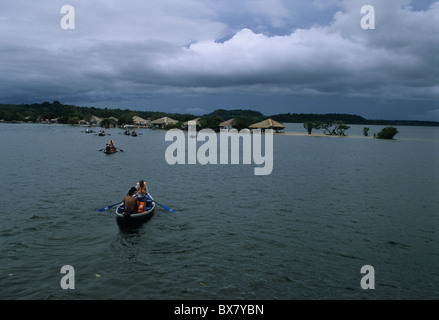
[
  {"x": 70, "y": 114},
  {"x": 310, "y": 125},
  {"x": 366, "y": 131},
  {"x": 108, "y": 122},
  {"x": 211, "y": 121},
  {"x": 230, "y": 114},
  {"x": 387, "y": 133},
  {"x": 346, "y": 118},
  {"x": 338, "y": 129},
  {"x": 243, "y": 122}
]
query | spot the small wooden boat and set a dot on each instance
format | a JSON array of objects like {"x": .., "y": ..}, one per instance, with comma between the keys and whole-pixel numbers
[
  {"x": 145, "y": 202},
  {"x": 134, "y": 134},
  {"x": 89, "y": 131},
  {"x": 110, "y": 151}
]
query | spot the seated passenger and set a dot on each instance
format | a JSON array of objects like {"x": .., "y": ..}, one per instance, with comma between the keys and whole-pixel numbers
[
  {"x": 142, "y": 189},
  {"x": 130, "y": 203},
  {"x": 111, "y": 144}
]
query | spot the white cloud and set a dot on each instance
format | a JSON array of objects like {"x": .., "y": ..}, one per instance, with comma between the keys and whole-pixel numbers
[
  {"x": 141, "y": 48},
  {"x": 340, "y": 58}
]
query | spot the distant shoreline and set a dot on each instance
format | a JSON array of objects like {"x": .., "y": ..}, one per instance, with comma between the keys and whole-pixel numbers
[{"x": 66, "y": 114}]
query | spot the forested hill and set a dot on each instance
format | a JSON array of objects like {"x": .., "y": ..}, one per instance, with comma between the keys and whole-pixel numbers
[
  {"x": 63, "y": 113},
  {"x": 229, "y": 114},
  {"x": 311, "y": 117},
  {"x": 346, "y": 118},
  {"x": 71, "y": 114}
]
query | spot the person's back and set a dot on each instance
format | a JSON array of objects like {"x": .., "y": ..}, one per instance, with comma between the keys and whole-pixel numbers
[
  {"x": 142, "y": 189},
  {"x": 130, "y": 203}
]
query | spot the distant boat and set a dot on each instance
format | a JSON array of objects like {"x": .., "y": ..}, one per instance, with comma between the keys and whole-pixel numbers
[
  {"x": 110, "y": 151},
  {"x": 134, "y": 134},
  {"x": 89, "y": 131},
  {"x": 102, "y": 133}
]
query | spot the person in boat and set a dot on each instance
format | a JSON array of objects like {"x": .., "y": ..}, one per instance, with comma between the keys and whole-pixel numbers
[
  {"x": 111, "y": 144},
  {"x": 142, "y": 189},
  {"x": 107, "y": 148},
  {"x": 129, "y": 202}
]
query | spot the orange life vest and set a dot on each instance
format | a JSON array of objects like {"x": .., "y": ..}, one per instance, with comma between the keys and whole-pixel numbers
[{"x": 140, "y": 206}]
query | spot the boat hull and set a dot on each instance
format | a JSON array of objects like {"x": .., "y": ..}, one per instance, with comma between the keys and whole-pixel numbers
[{"x": 133, "y": 219}]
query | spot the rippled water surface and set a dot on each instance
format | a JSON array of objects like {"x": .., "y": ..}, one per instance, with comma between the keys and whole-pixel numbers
[{"x": 330, "y": 206}]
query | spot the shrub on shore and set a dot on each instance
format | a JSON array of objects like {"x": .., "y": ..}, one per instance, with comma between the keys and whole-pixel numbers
[{"x": 387, "y": 133}]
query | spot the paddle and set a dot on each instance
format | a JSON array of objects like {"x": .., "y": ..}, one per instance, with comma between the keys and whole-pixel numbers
[
  {"x": 116, "y": 148},
  {"x": 165, "y": 207},
  {"x": 108, "y": 207}
]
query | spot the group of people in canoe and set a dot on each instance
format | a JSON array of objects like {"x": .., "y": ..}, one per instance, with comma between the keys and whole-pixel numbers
[
  {"x": 109, "y": 147},
  {"x": 128, "y": 133},
  {"x": 135, "y": 199}
]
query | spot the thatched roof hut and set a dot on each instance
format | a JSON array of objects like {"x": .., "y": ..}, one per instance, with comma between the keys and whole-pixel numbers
[
  {"x": 268, "y": 124},
  {"x": 185, "y": 125},
  {"x": 162, "y": 122},
  {"x": 226, "y": 124},
  {"x": 197, "y": 122},
  {"x": 95, "y": 120},
  {"x": 138, "y": 120}
]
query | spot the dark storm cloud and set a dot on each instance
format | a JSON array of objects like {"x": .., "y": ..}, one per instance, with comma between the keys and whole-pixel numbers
[{"x": 133, "y": 50}]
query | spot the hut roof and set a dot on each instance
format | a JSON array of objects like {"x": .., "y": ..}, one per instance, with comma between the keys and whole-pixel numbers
[
  {"x": 227, "y": 123},
  {"x": 95, "y": 119},
  {"x": 267, "y": 124},
  {"x": 197, "y": 122},
  {"x": 138, "y": 119},
  {"x": 164, "y": 120}
]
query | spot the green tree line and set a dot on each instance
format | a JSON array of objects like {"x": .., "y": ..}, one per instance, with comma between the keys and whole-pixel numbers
[{"x": 243, "y": 118}]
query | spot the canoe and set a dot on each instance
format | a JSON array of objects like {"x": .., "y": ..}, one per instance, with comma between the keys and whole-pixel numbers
[
  {"x": 110, "y": 152},
  {"x": 136, "y": 218}
]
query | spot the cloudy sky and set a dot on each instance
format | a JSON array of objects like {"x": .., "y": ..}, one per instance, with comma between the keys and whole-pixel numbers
[{"x": 274, "y": 56}]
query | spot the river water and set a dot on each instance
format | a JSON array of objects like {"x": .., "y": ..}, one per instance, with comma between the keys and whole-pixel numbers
[{"x": 329, "y": 207}]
